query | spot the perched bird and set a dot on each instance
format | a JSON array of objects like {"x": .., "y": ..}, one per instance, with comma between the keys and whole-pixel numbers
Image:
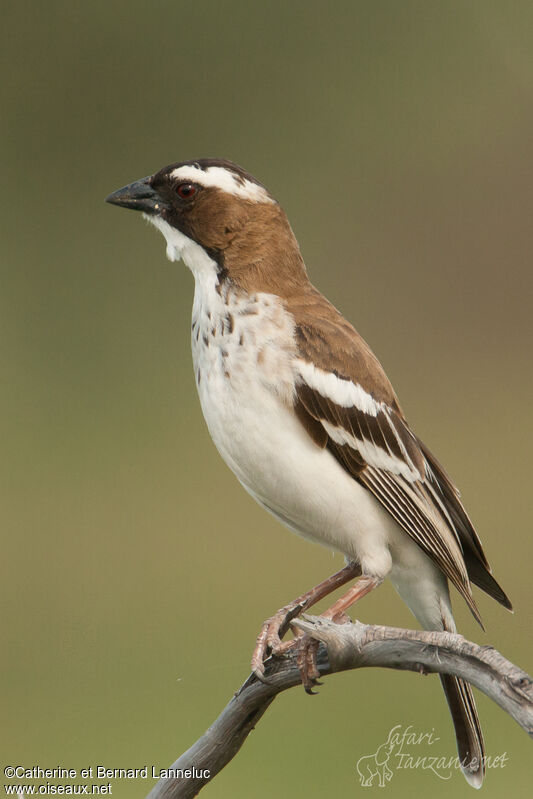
[{"x": 304, "y": 415}]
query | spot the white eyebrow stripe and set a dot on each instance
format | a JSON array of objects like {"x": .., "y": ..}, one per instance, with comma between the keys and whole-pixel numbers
[{"x": 223, "y": 179}]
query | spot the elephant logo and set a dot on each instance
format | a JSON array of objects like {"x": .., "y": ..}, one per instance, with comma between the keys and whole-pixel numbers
[{"x": 376, "y": 765}]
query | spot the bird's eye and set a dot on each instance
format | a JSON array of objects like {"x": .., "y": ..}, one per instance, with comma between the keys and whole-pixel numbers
[{"x": 186, "y": 190}]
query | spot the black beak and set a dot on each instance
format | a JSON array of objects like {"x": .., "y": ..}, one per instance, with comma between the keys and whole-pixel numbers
[{"x": 139, "y": 195}]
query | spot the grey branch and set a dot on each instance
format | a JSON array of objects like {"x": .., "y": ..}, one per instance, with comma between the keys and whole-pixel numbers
[{"x": 343, "y": 647}]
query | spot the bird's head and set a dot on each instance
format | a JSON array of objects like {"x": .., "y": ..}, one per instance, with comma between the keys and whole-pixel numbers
[{"x": 214, "y": 214}]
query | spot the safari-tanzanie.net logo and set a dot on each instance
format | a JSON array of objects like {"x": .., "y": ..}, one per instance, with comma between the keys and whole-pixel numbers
[{"x": 405, "y": 749}]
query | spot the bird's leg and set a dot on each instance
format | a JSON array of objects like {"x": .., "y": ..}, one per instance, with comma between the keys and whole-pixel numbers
[
  {"x": 273, "y": 630},
  {"x": 309, "y": 647},
  {"x": 362, "y": 587}
]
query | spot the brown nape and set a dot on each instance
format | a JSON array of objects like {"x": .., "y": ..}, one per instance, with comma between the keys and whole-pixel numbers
[
  {"x": 264, "y": 254},
  {"x": 254, "y": 239}
]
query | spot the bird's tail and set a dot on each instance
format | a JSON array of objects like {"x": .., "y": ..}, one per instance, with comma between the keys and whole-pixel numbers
[
  {"x": 467, "y": 728},
  {"x": 463, "y": 710},
  {"x": 429, "y": 600}
]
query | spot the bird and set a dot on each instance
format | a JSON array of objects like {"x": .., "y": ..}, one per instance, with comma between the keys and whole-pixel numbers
[{"x": 302, "y": 412}]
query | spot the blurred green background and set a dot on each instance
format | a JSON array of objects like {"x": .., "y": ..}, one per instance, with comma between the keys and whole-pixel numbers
[{"x": 135, "y": 571}]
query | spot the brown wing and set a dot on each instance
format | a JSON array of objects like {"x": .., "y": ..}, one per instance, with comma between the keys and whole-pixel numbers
[{"x": 347, "y": 404}]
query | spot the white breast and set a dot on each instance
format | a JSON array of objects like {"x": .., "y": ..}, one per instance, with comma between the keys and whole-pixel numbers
[
  {"x": 243, "y": 360},
  {"x": 244, "y": 363}
]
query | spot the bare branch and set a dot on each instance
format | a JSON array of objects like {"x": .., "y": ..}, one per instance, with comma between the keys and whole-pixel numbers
[{"x": 343, "y": 647}]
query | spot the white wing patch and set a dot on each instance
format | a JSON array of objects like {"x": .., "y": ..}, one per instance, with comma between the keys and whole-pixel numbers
[
  {"x": 375, "y": 456},
  {"x": 224, "y": 179},
  {"x": 347, "y": 395},
  {"x": 340, "y": 391}
]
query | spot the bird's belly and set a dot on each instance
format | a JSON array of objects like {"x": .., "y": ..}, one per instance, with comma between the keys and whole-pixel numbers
[{"x": 267, "y": 448}]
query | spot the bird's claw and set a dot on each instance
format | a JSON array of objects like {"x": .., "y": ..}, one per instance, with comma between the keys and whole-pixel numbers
[
  {"x": 269, "y": 644},
  {"x": 307, "y": 665},
  {"x": 269, "y": 639}
]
